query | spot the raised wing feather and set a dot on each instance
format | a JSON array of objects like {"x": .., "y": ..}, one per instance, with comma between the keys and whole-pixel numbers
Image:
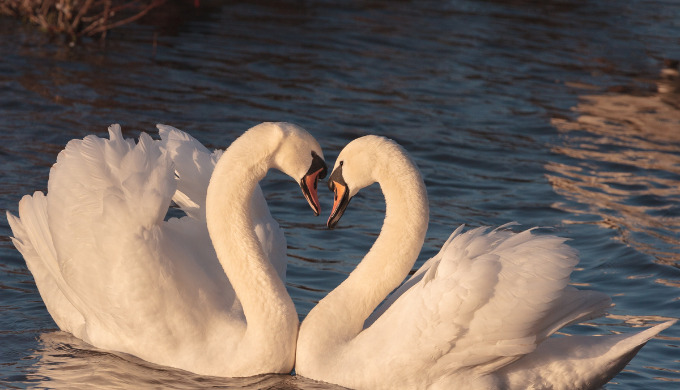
[
  {"x": 105, "y": 205},
  {"x": 488, "y": 298},
  {"x": 33, "y": 239},
  {"x": 194, "y": 165},
  {"x": 113, "y": 272}
]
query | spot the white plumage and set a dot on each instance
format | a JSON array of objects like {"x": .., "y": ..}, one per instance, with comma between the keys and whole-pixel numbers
[
  {"x": 112, "y": 272},
  {"x": 477, "y": 315}
]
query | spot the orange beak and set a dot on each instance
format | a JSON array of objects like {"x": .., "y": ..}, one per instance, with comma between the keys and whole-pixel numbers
[
  {"x": 309, "y": 184},
  {"x": 340, "y": 202}
]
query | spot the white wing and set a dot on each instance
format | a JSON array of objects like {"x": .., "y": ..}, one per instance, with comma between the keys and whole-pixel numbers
[
  {"x": 115, "y": 273},
  {"x": 484, "y": 301},
  {"x": 33, "y": 239},
  {"x": 194, "y": 165},
  {"x": 101, "y": 251}
]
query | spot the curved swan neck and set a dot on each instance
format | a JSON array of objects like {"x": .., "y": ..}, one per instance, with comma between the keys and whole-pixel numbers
[
  {"x": 229, "y": 214},
  {"x": 342, "y": 313},
  {"x": 402, "y": 235}
]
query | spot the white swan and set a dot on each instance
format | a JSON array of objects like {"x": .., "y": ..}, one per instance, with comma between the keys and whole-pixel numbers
[
  {"x": 115, "y": 274},
  {"x": 477, "y": 315}
]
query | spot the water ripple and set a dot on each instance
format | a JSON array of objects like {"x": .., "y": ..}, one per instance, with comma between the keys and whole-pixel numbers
[{"x": 560, "y": 114}]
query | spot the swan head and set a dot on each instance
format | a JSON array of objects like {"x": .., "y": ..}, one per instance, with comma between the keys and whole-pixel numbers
[
  {"x": 358, "y": 166},
  {"x": 299, "y": 156}
]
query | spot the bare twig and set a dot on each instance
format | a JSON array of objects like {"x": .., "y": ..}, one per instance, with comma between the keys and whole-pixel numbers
[
  {"x": 82, "y": 11},
  {"x": 131, "y": 19},
  {"x": 78, "y": 18}
]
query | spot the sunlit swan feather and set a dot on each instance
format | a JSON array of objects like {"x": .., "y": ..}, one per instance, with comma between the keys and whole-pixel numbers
[
  {"x": 198, "y": 292},
  {"x": 477, "y": 315}
]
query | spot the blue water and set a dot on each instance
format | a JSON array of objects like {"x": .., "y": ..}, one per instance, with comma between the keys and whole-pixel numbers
[{"x": 559, "y": 114}]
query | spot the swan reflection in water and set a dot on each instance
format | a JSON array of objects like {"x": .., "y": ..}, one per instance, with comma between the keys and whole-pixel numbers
[
  {"x": 625, "y": 165},
  {"x": 64, "y": 361}
]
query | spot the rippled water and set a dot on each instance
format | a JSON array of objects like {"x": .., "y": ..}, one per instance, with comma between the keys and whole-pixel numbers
[{"x": 561, "y": 114}]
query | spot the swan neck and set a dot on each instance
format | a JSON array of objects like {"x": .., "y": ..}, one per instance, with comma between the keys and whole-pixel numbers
[
  {"x": 344, "y": 311},
  {"x": 401, "y": 238},
  {"x": 229, "y": 215}
]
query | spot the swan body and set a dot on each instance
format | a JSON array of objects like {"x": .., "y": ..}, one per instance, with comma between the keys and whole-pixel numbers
[
  {"x": 204, "y": 292},
  {"x": 478, "y": 315}
]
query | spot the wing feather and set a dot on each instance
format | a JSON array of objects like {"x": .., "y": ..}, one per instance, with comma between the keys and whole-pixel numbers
[
  {"x": 194, "y": 165},
  {"x": 485, "y": 300},
  {"x": 98, "y": 242},
  {"x": 34, "y": 241},
  {"x": 106, "y": 201}
]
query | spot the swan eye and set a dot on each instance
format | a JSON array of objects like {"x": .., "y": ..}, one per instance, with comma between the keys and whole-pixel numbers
[{"x": 341, "y": 162}]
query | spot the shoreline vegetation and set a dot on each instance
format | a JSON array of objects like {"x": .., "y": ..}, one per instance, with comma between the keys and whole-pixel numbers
[{"x": 78, "y": 18}]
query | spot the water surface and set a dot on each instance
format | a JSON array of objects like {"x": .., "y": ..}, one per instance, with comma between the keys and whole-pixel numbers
[{"x": 559, "y": 114}]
